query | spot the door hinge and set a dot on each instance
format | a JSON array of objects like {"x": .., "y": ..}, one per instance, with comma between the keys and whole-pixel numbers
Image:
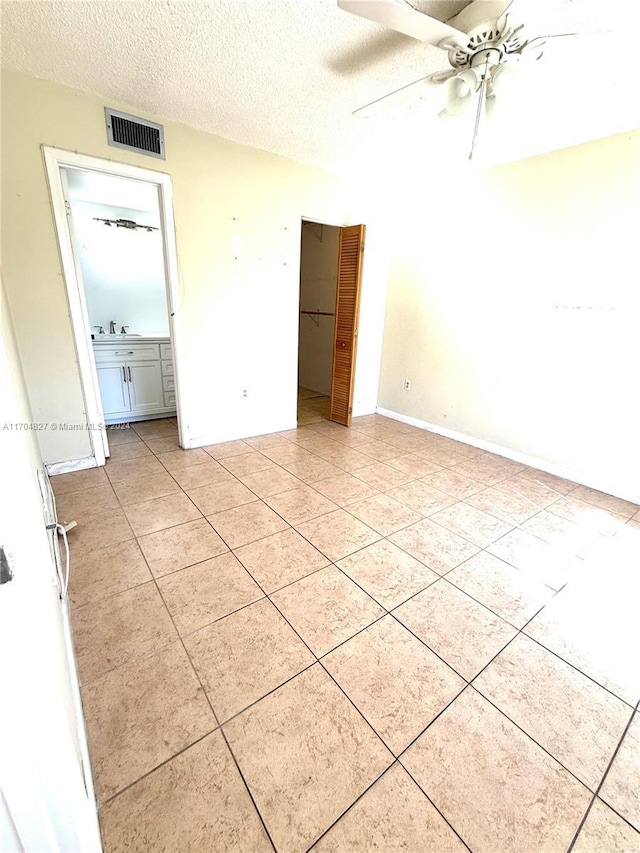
[
  {"x": 362, "y": 247},
  {"x": 67, "y": 207},
  {"x": 350, "y": 409}
]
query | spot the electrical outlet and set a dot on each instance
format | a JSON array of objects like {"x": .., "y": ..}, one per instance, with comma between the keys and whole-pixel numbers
[
  {"x": 407, "y": 385},
  {"x": 245, "y": 393}
]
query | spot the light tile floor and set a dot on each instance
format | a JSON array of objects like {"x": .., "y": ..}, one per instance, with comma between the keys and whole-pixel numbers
[
  {"x": 356, "y": 639},
  {"x": 312, "y": 407}
]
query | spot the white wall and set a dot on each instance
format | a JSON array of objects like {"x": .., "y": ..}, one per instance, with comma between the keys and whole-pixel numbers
[
  {"x": 238, "y": 213},
  {"x": 122, "y": 269},
  {"x": 318, "y": 277},
  {"x": 513, "y": 308}
]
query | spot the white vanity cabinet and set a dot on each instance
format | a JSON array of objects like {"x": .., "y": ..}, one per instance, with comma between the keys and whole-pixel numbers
[
  {"x": 114, "y": 390},
  {"x": 136, "y": 379}
]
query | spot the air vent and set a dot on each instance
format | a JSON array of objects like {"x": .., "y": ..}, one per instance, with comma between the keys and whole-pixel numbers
[{"x": 134, "y": 134}]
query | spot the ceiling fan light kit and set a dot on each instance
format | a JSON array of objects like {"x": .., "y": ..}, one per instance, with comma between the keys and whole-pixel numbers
[{"x": 480, "y": 43}]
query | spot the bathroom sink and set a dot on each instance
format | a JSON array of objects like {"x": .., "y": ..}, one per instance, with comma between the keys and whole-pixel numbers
[
  {"x": 133, "y": 336},
  {"x": 145, "y": 335}
]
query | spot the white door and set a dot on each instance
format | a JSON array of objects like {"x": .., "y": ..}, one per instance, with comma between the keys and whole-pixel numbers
[
  {"x": 145, "y": 386},
  {"x": 114, "y": 388},
  {"x": 46, "y": 793}
]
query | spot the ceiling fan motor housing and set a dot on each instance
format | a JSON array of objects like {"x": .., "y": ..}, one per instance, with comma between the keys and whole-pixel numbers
[
  {"x": 492, "y": 39},
  {"x": 486, "y": 56}
]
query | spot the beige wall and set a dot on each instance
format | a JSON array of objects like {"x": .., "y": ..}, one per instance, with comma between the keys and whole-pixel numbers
[
  {"x": 318, "y": 279},
  {"x": 238, "y": 317},
  {"x": 513, "y": 308}
]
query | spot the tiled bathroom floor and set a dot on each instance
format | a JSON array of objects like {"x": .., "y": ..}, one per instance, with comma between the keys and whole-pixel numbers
[{"x": 356, "y": 639}]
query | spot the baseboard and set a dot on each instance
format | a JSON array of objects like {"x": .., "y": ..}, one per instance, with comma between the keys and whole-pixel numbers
[
  {"x": 532, "y": 461},
  {"x": 317, "y": 391},
  {"x": 205, "y": 440},
  {"x": 71, "y": 465},
  {"x": 168, "y": 413}
]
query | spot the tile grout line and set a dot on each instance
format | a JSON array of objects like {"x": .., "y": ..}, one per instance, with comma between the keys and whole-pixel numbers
[
  {"x": 221, "y": 726},
  {"x": 318, "y": 661},
  {"x": 602, "y": 781},
  {"x": 155, "y": 651},
  {"x": 576, "y": 668},
  {"x": 441, "y": 813},
  {"x": 467, "y": 683},
  {"x": 459, "y": 500},
  {"x": 393, "y": 764},
  {"x": 499, "y": 616},
  {"x": 382, "y": 538},
  {"x": 394, "y": 617},
  {"x": 222, "y": 732},
  {"x": 527, "y": 734},
  {"x": 209, "y": 702},
  {"x": 427, "y": 433},
  {"x": 215, "y": 717},
  {"x": 386, "y": 612},
  {"x": 152, "y": 770}
]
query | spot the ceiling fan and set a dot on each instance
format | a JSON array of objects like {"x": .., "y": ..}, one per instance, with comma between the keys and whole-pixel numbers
[{"x": 483, "y": 45}]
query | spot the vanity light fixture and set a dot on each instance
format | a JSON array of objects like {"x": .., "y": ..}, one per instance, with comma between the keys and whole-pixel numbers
[{"x": 125, "y": 223}]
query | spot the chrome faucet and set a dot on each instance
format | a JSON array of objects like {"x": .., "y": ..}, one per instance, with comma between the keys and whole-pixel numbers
[{"x": 112, "y": 327}]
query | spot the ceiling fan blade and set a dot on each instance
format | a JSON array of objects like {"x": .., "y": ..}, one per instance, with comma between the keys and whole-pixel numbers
[
  {"x": 483, "y": 12},
  {"x": 581, "y": 33},
  {"x": 403, "y": 18},
  {"x": 501, "y": 21},
  {"x": 404, "y": 95}
]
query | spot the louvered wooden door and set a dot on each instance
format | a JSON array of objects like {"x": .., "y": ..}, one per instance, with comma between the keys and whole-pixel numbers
[{"x": 346, "y": 321}]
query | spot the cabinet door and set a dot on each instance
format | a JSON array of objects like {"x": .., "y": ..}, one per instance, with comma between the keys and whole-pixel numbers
[
  {"x": 145, "y": 386},
  {"x": 114, "y": 389}
]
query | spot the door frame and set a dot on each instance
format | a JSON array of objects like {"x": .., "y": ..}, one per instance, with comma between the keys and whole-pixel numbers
[
  {"x": 56, "y": 159},
  {"x": 313, "y": 221},
  {"x": 340, "y": 225}
]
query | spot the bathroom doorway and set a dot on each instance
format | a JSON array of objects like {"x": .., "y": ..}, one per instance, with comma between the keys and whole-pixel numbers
[{"x": 118, "y": 248}]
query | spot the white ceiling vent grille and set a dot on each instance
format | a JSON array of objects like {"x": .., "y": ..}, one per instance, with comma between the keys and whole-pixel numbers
[{"x": 134, "y": 134}]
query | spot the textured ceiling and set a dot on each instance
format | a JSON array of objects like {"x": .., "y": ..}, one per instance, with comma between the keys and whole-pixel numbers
[{"x": 285, "y": 75}]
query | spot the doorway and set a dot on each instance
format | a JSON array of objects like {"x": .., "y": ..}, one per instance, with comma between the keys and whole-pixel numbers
[
  {"x": 330, "y": 282},
  {"x": 115, "y": 228}
]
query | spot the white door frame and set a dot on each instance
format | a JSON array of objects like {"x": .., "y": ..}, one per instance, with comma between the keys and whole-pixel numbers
[
  {"x": 315, "y": 221},
  {"x": 54, "y": 160}
]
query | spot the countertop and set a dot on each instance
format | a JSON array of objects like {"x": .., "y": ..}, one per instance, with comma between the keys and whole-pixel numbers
[{"x": 115, "y": 339}]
